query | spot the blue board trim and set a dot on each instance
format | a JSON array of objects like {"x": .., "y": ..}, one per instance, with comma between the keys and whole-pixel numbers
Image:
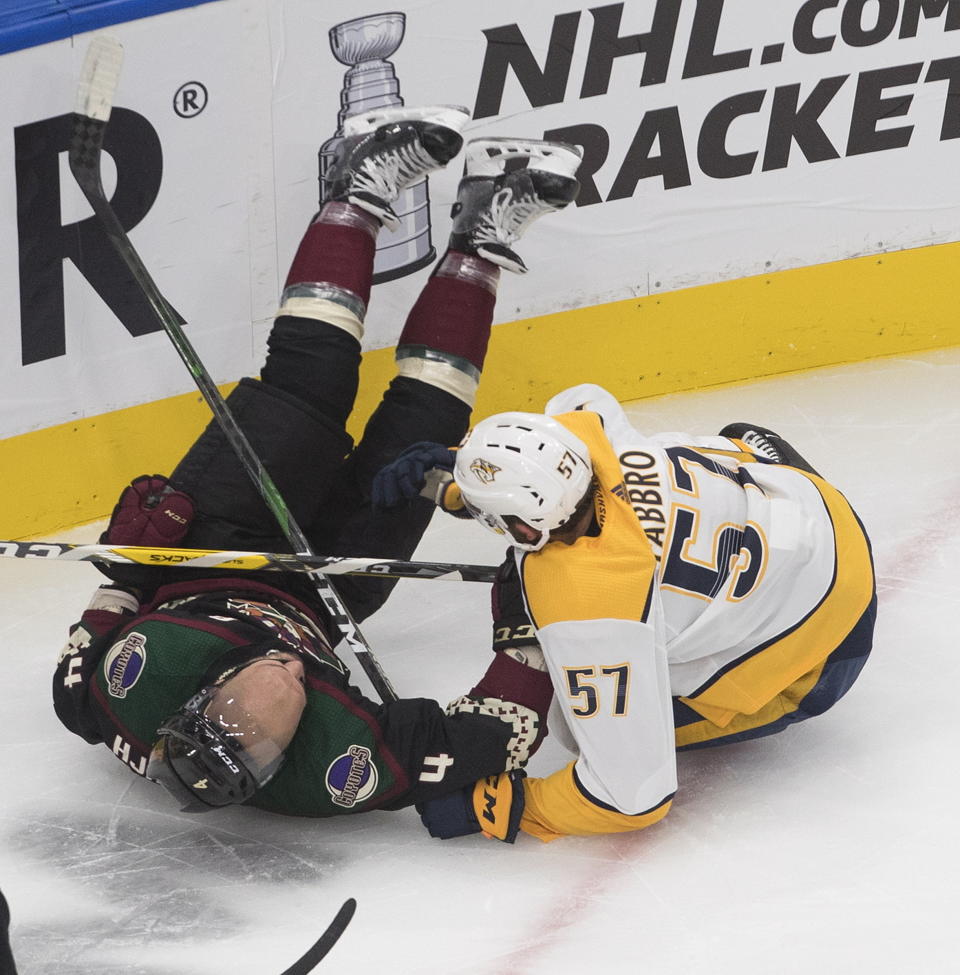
[{"x": 28, "y": 23}]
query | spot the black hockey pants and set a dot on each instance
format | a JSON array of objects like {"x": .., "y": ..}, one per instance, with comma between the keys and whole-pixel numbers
[{"x": 294, "y": 418}]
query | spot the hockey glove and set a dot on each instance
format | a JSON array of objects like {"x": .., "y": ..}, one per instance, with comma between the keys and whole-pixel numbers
[
  {"x": 406, "y": 477},
  {"x": 150, "y": 512},
  {"x": 493, "y": 806}
]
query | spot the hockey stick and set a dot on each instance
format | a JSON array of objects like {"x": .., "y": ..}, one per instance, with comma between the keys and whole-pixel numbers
[
  {"x": 325, "y": 942},
  {"x": 201, "y": 558},
  {"x": 98, "y": 82}
]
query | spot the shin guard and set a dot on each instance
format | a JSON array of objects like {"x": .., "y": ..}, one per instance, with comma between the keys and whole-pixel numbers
[
  {"x": 444, "y": 340},
  {"x": 332, "y": 272}
]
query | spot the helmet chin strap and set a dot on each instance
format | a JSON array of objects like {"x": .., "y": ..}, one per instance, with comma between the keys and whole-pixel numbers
[{"x": 521, "y": 531}]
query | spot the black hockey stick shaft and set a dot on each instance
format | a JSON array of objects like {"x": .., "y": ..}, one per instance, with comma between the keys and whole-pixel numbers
[
  {"x": 325, "y": 942},
  {"x": 95, "y": 97},
  {"x": 203, "y": 558}
]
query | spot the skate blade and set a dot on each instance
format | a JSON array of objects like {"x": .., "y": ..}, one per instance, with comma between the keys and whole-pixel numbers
[
  {"x": 449, "y": 116},
  {"x": 489, "y": 157}
]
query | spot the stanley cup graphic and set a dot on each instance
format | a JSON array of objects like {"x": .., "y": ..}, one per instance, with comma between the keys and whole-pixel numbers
[{"x": 364, "y": 44}]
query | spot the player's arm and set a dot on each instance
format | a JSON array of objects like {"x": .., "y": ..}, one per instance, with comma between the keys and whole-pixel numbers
[
  {"x": 495, "y": 726},
  {"x": 111, "y": 608},
  {"x": 516, "y": 688},
  {"x": 423, "y": 470},
  {"x": 559, "y": 806},
  {"x": 151, "y": 512},
  {"x": 613, "y": 689},
  {"x": 618, "y": 709}
]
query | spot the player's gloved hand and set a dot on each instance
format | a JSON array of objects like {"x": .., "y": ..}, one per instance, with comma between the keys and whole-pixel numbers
[
  {"x": 493, "y": 806},
  {"x": 406, "y": 477},
  {"x": 150, "y": 512}
]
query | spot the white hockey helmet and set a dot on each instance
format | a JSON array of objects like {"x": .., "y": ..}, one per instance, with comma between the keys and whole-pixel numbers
[{"x": 523, "y": 466}]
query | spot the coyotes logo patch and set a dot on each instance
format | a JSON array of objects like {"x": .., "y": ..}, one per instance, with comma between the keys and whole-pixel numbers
[{"x": 124, "y": 664}]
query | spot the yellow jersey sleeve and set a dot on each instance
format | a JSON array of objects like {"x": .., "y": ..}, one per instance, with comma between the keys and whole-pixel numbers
[
  {"x": 556, "y": 806},
  {"x": 595, "y": 606}
]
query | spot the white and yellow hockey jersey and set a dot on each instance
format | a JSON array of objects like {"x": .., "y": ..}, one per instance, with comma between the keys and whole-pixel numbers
[{"x": 716, "y": 578}]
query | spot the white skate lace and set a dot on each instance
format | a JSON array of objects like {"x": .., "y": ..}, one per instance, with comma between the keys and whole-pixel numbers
[
  {"x": 509, "y": 216},
  {"x": 384, "y": 176},
  {"x": 759, "y": 444}
]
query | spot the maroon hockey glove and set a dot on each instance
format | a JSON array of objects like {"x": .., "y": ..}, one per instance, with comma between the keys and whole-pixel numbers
[{"x": 150, "y": 512}]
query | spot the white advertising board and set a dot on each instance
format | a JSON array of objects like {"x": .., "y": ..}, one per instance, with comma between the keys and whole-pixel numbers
[{"x": 722, "y": 138}]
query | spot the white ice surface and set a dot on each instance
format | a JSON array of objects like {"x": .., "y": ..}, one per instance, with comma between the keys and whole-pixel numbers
[{"x": 831, "y": 848}]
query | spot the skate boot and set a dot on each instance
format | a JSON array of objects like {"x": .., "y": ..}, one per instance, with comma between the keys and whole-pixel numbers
[
  {"x": 508, "y": 184},
  {"x": 765, "y": 443},
  {"x": 384, "y": 151}
]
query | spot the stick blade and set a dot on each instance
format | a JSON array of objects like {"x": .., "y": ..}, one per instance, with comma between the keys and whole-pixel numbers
[
  {"x": 99, "y": 77},
  {"x": 327, "y": 940}
]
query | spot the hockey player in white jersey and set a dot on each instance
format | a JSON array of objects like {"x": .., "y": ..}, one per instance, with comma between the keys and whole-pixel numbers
[{"x": 683, "y": 592}]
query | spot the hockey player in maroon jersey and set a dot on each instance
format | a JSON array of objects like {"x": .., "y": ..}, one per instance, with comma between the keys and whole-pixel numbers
[
  {"x": 227, "y": 690},
  {"x": 681, "y": 591}
]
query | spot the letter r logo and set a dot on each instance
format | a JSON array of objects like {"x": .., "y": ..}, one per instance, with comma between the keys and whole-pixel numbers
[{"x": 44, "y": 242}]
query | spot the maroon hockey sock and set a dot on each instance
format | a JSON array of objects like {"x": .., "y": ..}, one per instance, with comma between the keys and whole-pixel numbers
[
  {"x": 455, "y": 309},
  {"x": 338, "y": 249}
]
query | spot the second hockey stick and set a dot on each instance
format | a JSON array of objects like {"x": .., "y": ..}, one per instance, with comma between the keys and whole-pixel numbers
[
  {"x": 98, "y": 82},
  {"x": 202, "y": 558},
  {"x": 325, "y": 942}
]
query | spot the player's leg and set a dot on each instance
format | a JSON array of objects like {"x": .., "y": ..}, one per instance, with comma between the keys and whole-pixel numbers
[
  {"x": 444, "y": 340},
  {"x": 812, "y": 694},
  {"x": 841, "y": 668},
  {"x": 294, "y": 415},
  {"x": 441, "y": 350},
  {"x": 430, "y": 399},
  {"x": 327, "y": 291}
]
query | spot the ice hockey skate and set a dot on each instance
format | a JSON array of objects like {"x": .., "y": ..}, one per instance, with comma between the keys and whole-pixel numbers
[
  {"x": 499, "y": 197},
  {"x": 765, "y": 443},
  {"x": 385, "y": 151}
]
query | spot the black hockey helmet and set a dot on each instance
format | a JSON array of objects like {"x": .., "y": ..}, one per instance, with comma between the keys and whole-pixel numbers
[{"x": 206, "y": 763}]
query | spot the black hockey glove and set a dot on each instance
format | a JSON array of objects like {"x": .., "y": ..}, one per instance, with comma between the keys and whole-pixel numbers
[
  {"x": 493, "y": 806},
  {"x": 407, "y": 476}
]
